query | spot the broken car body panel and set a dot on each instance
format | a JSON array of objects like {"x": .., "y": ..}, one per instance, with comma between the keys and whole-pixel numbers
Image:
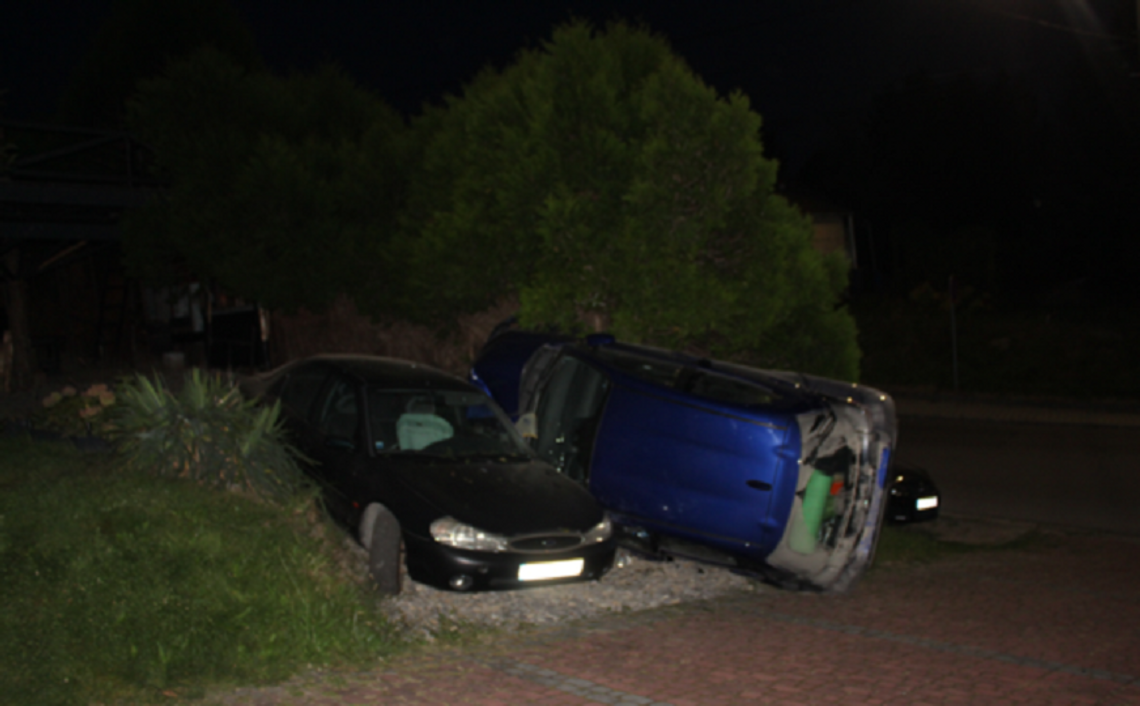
[{"x": 774, "y": 473}]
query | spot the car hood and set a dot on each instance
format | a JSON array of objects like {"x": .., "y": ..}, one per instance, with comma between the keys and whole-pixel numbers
[{"x": 505, "y": 498}]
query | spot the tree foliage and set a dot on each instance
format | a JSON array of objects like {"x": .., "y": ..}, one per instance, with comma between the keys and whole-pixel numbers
[
  {"x": 283, "y": 190},
  {"x": 598, "y": 178}
]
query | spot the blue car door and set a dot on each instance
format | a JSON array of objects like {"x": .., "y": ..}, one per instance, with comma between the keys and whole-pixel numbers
[
  {"x": 567, "y": 415},
  {"x": 693, "y": 467}
]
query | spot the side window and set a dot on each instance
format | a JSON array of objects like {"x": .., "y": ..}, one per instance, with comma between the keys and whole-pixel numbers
[
  {"x": 532, "y": 373},
  {"x": 568, "y": 414},
  {"x": 658, "y": 372},
  {"x": 725, "y": 389},
  {"x": 301, "y": 389},
  {"x": 338, "y": 417}
]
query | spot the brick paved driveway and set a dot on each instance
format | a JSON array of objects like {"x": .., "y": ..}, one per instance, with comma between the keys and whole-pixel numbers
[{"x": 1055, "y": 624}]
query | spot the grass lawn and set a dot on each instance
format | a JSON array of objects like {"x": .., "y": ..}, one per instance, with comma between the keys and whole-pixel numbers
[{"x": 126, "y": 587}]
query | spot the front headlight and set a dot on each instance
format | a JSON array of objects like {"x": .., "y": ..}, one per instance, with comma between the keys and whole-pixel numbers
[
  {"x": 599, "y": 532},
  {"x": 453, "y": 533}
]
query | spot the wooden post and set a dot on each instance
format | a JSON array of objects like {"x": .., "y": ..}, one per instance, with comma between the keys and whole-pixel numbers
[
  {"x": 953, "y": 296},
  {"x": 17, "y": 299}
]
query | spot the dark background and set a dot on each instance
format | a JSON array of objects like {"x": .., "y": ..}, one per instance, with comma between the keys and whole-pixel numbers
[
  {"x": 996, "y": 140},
  {"x": 810, "y": 67}
]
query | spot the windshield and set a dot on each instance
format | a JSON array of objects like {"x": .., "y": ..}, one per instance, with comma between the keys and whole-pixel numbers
[{"x": 440, "y": 423}]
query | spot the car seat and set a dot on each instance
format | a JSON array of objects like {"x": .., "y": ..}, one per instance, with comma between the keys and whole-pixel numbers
[{"x": 420, "y": 426}]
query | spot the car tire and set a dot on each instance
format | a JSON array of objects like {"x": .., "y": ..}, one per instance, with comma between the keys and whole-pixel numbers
[{"x": 380, "y": 535}]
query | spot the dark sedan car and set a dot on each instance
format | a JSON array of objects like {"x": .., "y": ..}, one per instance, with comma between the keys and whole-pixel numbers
[
  {"x": 779, "y": 474},
  {"x": 410, "y": 456}
]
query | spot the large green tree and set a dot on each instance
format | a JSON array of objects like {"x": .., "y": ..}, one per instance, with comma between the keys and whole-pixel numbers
[
  {"x": 283, "y": 190},
  {"x": 598, "y": 179}
]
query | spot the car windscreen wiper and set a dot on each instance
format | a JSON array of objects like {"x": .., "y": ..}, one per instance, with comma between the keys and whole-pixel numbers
[{"x": 503, "y": 457}]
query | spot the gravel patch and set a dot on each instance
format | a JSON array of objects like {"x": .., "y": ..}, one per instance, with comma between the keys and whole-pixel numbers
[{"x": 633, "y": 584}]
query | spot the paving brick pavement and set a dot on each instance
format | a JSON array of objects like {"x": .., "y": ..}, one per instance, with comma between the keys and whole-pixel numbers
[{"x": 1057, "y": 622}]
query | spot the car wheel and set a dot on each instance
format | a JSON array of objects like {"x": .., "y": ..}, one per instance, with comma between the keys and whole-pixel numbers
[{"x": 380, "y": 535}]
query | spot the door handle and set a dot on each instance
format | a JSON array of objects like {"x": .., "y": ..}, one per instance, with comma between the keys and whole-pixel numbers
[{"x": 759, "y": 485}]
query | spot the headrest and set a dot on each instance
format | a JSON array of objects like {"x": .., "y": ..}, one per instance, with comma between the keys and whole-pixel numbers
[{"x": 421, "y": 405}]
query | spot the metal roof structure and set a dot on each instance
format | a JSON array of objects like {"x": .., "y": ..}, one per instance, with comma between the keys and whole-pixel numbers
[
  {"x": 65, "y": 189},
  {"x": 63, "y": 194}
]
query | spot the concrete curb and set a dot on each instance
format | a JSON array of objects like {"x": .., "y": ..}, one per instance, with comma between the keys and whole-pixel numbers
[
  {"x": 1015, "y": 409},
  {"x": 1004, "y": 413}
]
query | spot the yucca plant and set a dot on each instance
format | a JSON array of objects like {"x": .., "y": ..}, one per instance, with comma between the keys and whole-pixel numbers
[{"x": 209, "y": 433}]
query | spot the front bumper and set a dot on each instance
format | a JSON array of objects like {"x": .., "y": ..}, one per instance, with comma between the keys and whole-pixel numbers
[
  {"x": 446, "y": 567},
  {"x": 840, "y": 493}
]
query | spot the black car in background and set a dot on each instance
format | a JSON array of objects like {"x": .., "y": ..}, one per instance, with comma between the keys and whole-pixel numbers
[
  {"x": 912, "y": 496},
  {"x": 411, "y": 457}
]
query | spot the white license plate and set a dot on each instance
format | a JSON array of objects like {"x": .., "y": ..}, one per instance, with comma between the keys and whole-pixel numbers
[
  {"x": 551, "y": 570},
  {"x": 927, "y": 503}
]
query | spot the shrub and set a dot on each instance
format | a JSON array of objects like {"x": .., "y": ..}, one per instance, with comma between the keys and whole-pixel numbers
[
  {"x": 607, "y": 187},
  {"x": 207, "y": 433},
  {"x": 74, "y": 413}
]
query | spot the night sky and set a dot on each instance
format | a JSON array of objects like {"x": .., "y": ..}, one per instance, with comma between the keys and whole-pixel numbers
[
  {"x": 809, "y": 66},
  {"x": 1048, "y": 162}
]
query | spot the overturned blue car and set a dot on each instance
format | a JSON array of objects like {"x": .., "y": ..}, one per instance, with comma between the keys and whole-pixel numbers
[{"x": 776, "y": 474}]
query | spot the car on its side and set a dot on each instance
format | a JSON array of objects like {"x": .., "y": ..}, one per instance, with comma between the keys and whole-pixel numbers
[
  {"x": 419, "y": 462},
  {"x": 777, "y": 474}
]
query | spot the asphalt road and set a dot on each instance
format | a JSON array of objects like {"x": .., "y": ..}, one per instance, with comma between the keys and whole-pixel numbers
[{"x": 1079, "y": 475}]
